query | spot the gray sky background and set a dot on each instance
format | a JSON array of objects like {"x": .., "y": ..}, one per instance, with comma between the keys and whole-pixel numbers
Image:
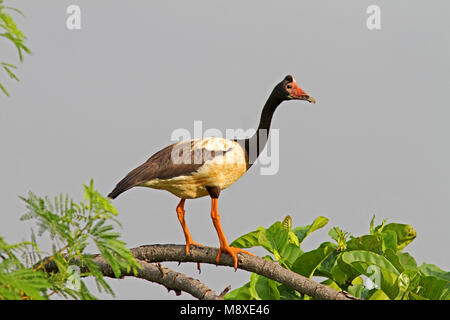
[{"x": 97, "y": 102}]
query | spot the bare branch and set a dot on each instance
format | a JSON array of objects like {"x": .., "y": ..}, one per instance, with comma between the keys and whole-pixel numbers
[
  {"x": 269, "y": 269},
  {"x": 153, "y": 272},
  {"x": 147, "y": 255}
]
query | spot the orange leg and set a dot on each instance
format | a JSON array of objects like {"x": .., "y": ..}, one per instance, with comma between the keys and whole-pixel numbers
[
  {"x": 187, "y": 235},
  {"x": 224, "y": 246}
]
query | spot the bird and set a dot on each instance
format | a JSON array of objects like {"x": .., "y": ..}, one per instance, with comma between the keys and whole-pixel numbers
[{"x": 202, "y": 167}]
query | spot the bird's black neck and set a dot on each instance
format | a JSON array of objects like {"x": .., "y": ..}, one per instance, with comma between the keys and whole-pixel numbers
[{"x": 256, "y": 143}]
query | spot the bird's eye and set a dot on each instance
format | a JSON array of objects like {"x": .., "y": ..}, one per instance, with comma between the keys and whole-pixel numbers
[{"x": 289, "y": 86}]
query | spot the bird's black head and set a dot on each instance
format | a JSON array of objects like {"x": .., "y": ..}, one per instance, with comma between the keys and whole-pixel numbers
[{"x": 289, "y": 90}]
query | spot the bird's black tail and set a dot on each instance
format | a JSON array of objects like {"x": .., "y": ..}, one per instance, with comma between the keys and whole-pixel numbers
[
  {"x": 131, "y": 180},
  {"x": 117, "y": 191},
  {"x": 124, "y": 184}
]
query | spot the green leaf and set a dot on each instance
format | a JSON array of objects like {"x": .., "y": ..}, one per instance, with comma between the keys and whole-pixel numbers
[
  {"x": 293, "y": 239},
  {"x": 326, "y": 267},
  {"x": 361, "y": 260},
  {"x": 99, "y": 278},
  {"x": 378, "y": 229},
  {"x": 416, "y": 296},
  {"x": 248, "y": 240},
  {"x": 242, "y": 293},
  {"x": 407, "y": 261},
  {"x": 290, "y": 253},
  {"x": 393, "y": 258},
  {"x": 308, "y": 262},
  {"x": 371, "y": 228},
  {"x": 343, "y": 273},
  {"x": 274, "y": 239},
  {"x": 389, "y": 240},
  {"x": 287, "y": 223},
  {"x": 367, "y": 242},
  {"x": 408, "y": 281},
  {"x": 287, "y": 293},
  {"x": 434, "y": 288},
  {"x": 333, "y": 234},
  {"x": 71, "y": 227},
  {"x": 263, "y": 288},
  {"x": 358, "y": 290},
  {"x": 331, "y": 284},
  {"x": 377, "y": 294},
  {"x": 4, "y": 90},
  {"x": 405, "y": 234},
  {"x": 368, "y": 257},
  {"x": 303, "y": 232},
  {"x": 433, "y": 270},
  {"x": 340, "y": 237},
  {"x": 24, "y": 284},
  {"x": 16, "y": 37}
]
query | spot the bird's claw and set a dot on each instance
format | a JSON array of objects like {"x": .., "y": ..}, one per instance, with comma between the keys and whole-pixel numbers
[
  {"x": 188, "y": 244},
  {"x": 232, "y": 251}
]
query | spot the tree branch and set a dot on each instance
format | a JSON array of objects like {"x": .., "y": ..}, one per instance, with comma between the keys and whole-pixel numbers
[
  {"x": 148, "y": 254},
  {"x": 153, "y": 272}
]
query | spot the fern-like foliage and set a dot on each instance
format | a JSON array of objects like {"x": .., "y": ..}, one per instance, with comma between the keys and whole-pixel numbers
[
  {"x": 10, "y": 31},
  {"x": 72, "y": 227}
]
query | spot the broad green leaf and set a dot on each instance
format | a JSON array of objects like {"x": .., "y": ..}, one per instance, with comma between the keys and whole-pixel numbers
[
  {"x": 415, "y": 296},
  {"x": 377, "y": 294},
  {"x": 274, "y": 239},
  {"x": 358, "y": 280},
  {"x": 358, "y": 290},
  {"x": 264, "y": 237},
  {"x": 389, "y": 283},
  {"x": 333, "y": 234},
  {"x": 434, "y": 288},
  {"x": 393, "y": 258},
  {"x": 366, "y": 242},
  {"x": 263, "y": 288},
  {"x": 389, "y": 240},
  {"x": 407, "y": 261},
  {"x": 303, "y": 232},
  {"x": 405, "y": 234},
  {"x": 326, "y": 267},
  {"x": 361, "y": 260},
  {"x": 331, "y": 284},
  {"x": 433, "y": 270},
  {"x": 290, "y": 253},
  {"x": 408, "y": 281},
  {"x": 308, "y": 262},
  {"x": 242, "y": 293},
  {"x": 342, "y": 272},
  {"x": 350, "y": 257},
  {"x": 402, "y": 261},
  {"x": 287, "y": 293}
]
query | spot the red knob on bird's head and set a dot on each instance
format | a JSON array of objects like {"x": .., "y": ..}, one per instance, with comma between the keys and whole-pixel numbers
[{"x": 292, "y": 91}]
